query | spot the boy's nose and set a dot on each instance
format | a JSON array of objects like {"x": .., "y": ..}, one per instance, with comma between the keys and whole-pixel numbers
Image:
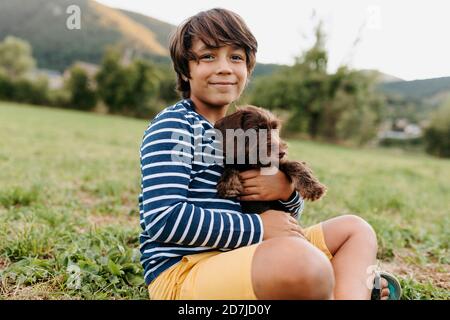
[{"x": 224, "y": 66}]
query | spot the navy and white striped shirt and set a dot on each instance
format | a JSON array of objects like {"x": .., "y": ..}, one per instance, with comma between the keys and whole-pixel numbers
[{"x": 180, "y": 211}]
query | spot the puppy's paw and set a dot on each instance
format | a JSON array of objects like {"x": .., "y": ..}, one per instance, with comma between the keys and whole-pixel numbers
[
  {"x": 313, "y": 191},
  {"x": 305, "y": 183}
]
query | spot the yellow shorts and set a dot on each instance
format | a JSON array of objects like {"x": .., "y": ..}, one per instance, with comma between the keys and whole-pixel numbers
[{"x": 195, "y": 277}]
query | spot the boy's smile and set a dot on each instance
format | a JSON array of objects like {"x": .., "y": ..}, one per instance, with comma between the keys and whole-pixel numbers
[{"x": 217, "y": 78}]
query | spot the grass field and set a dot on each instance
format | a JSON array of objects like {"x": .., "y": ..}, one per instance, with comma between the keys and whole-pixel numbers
[{"x": 69, "y": 183}]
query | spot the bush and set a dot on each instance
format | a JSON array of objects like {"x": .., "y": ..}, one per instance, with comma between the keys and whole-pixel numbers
[
  {"x": 437, "y": 135},
  {"x": 82, "y": 95},
  {"x": 167, "y": 86},
  {"x": 34, "y": 92},
  {"x": 127, "y": 89},
  {"x": 59, "y": 98},
  {"x": 6, "y": 88},
  {"x": 24, "y": 90}
]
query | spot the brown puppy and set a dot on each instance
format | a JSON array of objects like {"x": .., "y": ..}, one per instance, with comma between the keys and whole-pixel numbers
[{"x": 251, "y": 117}]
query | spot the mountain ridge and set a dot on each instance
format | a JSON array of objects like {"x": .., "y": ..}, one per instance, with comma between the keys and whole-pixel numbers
[{"x": 43, "y": 24}]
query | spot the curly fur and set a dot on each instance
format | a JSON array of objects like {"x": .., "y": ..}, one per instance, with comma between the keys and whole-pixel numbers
[{"x": 229, "y": 185}]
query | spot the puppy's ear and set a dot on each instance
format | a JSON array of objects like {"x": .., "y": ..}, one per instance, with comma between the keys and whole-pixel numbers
[{"x": 233, "y": 121}]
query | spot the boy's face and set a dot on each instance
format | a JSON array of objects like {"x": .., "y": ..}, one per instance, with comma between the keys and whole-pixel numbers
[{"x": 219, "y": 76}]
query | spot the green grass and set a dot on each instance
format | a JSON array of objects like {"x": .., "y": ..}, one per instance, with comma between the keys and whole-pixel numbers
[{"x": 68, "y": 206}]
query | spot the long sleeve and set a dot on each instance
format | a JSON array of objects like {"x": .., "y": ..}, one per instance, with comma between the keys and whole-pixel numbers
[
  {"x": 167, "y": 153},
  {"x": 294, "y": 205}
]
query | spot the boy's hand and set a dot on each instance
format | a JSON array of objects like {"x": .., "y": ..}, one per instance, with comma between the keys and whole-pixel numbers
[
  {"x": 280, "y": 224},
  {"x": 259, "y": 187}
]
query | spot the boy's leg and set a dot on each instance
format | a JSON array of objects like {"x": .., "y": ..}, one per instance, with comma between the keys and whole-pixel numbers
[
  {"x": 279, "y": 268},
  {"x": 291, "y": 268},
  {"x": 221, "y": 276},
  {"x": 353, "y": 244}
]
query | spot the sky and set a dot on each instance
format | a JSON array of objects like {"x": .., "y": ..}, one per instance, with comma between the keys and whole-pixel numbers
[{"x": 407, "y": 39}]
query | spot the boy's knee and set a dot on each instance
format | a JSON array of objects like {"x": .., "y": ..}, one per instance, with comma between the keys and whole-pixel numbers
[
  {"x": 362, "y": 228},
  {"x": 316, "y": 278},
  {"x": 308, "y": 273}
]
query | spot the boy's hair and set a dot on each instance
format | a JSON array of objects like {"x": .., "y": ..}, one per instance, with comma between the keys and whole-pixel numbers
[{"x": 216, "y": 28}]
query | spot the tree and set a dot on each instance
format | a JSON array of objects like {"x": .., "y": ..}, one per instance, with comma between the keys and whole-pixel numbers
[
  {"x": 302, "y": 89},
  {"x": 15, "y": 57},
  {"x": 142, "y": 88},
  {"x": 112, "y": 82},
  {"x": 355, "y": 109},
  {"x": 167, "y": 85},
  {"x": 437, "y": 134},
  {"x": 127, "y": 89},
  {"x": 82, "y": 95},
  {"x": 334, "y": 107}
]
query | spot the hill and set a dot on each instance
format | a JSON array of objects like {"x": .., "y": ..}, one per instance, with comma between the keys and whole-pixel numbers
[
  {"x": 161, "y": 29},
  {"x": 43, "y": 24},
  {"x": 429, "y": 89},
  {"x": 381, "y": 76},
  {"x": 415, "y": 100}
]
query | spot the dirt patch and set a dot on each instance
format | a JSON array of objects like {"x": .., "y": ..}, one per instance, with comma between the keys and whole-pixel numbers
[
  {"x": 36, "y": 292},
  {"x": 88, "y": 200},
  {"x": 103, "y": 220},
  {"x": 39, "y": 291},
  {"x": 98, "y": 221},
  {"x": 438, "y": 274}
]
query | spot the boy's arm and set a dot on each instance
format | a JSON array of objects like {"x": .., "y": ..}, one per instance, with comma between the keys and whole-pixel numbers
[
  {"x": 166, "y": 154},
  {"x": 294, "y": 205}
]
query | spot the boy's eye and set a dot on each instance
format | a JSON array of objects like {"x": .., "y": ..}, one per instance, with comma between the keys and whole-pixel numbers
[
  {"x": 237, "y": 57},
  {"x": 207, "y": 57}
]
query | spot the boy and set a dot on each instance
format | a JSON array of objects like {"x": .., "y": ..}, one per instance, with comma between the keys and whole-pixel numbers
[{"x": 195, "y": 245}]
